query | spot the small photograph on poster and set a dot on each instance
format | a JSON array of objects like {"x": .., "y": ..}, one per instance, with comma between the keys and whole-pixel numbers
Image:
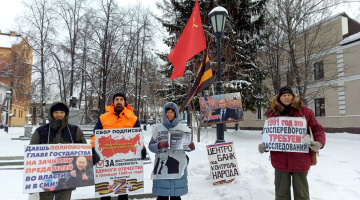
[
  {"x": 221, "y": 108},
  {"x": 179, "y": 141}
]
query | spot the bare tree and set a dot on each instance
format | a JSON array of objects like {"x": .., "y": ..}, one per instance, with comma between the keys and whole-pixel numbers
[
  {"x": 298, "y": 38},
  {"x": 39, "y": 18}
]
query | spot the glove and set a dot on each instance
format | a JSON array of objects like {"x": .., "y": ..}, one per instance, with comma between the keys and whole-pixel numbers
[
  {"x": 163, "y": 144},
  {"x": 143, "y": 153},
  {"x": 307, "y": 140},
  {"x": 192, "y": 146},
  {"x": 262, "y": 148},
  {"x": 315, "y": 146}
]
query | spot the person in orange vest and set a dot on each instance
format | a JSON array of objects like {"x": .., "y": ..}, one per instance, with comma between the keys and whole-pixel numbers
[{"x": 119, "y": 115}]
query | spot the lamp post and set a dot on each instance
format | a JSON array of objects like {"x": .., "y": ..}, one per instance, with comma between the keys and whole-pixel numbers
[
  {"x": 188, "y": 75},
  {"x": 218, "y": 17},
  {"x": 8, "y": 95},
  {"x": 145, "y": 121}
]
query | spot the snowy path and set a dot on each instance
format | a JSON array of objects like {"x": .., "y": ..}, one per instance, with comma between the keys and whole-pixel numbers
[{"x": 337, "y": 175}]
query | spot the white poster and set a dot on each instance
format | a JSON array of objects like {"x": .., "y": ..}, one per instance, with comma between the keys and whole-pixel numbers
[
  {"x": 120, "y": 169},
  {"x": 179, "y": 141},
  {"x": 285, "y": 134},
  {"x": 222, "y": 161},
  {"x": 57, "y": 167}
]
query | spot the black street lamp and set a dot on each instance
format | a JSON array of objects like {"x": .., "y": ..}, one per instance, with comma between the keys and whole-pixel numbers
[
  {"x": 188, "y": 75},
  {"x": 8, "y": 96},
  {"x": 145, "y": 121},
  {"x": 218, "y": 17}
]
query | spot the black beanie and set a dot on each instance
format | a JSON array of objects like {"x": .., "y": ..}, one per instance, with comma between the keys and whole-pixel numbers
[
  {"x": 285, "y": 90},
  {"x": 119, "y": 95},
  {"x": 59, "y": 107}
]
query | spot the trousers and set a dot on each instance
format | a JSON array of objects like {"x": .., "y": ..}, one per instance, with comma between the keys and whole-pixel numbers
[
  {"x": 283, "y": 181},
  {"x": 58, "y": 194},
  {"x": 167, "y": 198}
]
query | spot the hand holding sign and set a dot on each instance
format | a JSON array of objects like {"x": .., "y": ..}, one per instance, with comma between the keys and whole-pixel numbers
[
  {"x": 163, "y": 144},
  {"x": 192, "y": 146}
]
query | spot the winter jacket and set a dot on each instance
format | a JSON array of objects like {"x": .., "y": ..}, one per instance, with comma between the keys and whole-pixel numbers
[
  {"x": 173, "y": 183},
  {"x": 58, "y": 131},
  {"x": 292, "y": 161},
  {"x": 110, "y": 120}
]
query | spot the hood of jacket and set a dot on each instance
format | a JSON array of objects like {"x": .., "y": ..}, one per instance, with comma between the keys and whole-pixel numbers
[
  {"x": 166, "y": 121},
  {"x": 277, "y": 108},
  {"x": 58, "y": 124}
]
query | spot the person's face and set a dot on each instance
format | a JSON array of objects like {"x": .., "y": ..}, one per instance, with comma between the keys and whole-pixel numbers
[
  {"x": 286, "y": 99},
  {"x": 222, "y": 103},
  {"x": 170, "y": 115},
  {"x": 119, "y": 103},
  {"x": 59, "y": 115},
  {"x": 164, "y": 154},
  {"x": 81, "y": 163}
]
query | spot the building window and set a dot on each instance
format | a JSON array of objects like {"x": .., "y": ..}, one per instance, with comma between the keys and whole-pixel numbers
[
  {"x": 14, "y": 112},
  {"x": 318, "y": 70},
  {"x": 320, "y": 107}
]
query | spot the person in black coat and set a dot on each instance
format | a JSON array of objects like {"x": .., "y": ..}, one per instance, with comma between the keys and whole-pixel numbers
[
  {"x": 225, "y": 113},
  {"x": 81, "y": 175},
  {"x": 167, "y": 161}
]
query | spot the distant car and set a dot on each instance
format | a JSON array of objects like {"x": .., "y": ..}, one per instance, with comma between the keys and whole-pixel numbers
[{"x": 1, "y": 126}]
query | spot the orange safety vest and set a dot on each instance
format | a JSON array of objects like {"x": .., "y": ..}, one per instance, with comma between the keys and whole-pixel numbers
[{"x": 109, "y": 120}]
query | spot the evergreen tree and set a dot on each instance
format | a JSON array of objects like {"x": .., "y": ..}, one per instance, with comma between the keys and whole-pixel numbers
[{"x": 242, "y": 39}]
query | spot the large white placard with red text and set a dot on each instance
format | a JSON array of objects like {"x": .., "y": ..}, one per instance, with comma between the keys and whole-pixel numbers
[
  {"x": 285, "y": 134},
  {"x": 120, "y": 170}
]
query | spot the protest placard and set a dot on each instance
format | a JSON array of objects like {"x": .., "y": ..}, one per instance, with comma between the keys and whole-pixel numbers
[
  {"x": 120, "y": 169},
  {"x": 221, "y": 108},
  {"x": 179, "y": 141},
  {"x": 285, "y": 134},
  {"x": 57, "y": 167},
  {"x": 223, "y": 162}
]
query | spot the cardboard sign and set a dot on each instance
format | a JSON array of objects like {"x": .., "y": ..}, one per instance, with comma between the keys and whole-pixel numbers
[
  {"x": 222, "y": 161},
  {"x": 120, "y": 169},
  {"x": 57, "y": 167},
  {"x": 285, "y": 134}
]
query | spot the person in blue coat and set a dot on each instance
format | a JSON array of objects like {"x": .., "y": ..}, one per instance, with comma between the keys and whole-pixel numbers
[{"x": 170, "y": 168}]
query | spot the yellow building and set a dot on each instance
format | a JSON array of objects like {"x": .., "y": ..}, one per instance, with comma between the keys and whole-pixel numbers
[
  {"x": 334, "y": 75},
  {"x": 15, "y": 72}
]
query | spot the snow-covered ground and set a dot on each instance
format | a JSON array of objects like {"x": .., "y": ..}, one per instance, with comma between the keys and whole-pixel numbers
[{"x": 336, "y": 176}]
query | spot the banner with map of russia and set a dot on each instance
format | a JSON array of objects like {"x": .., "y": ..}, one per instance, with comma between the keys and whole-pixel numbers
[{"x": 120, "y": 169}]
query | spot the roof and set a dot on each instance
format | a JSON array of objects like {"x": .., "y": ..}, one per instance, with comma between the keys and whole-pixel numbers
[
  {"x": 7, "y": 41},
  {"x": 352, "y": 38}
]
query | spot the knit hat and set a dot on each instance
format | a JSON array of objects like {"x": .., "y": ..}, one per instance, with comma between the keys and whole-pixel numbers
[
  {"x": 170, "y": 107},
  {"x": 285, "y": 90},
  {"x": 59, "y": 107},
  {"x": 119, "y": 95}
]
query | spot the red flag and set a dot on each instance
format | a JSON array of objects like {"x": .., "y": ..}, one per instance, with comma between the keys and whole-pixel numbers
[{"x": 192, "y": 41}]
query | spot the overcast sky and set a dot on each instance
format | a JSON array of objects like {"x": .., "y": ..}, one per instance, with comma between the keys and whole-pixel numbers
[{"x": 10, "y": 9}]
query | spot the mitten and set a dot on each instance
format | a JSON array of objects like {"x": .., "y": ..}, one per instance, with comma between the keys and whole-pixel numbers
[
  {"x": 262, "y": 148},
  {"x": 163, "y": 144},
  {"x": 307, "y": 140},
  {"x": 143, "y": 153},
  {"x": 315, "y": 146},
  {"x": 192, "y": 146}
]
